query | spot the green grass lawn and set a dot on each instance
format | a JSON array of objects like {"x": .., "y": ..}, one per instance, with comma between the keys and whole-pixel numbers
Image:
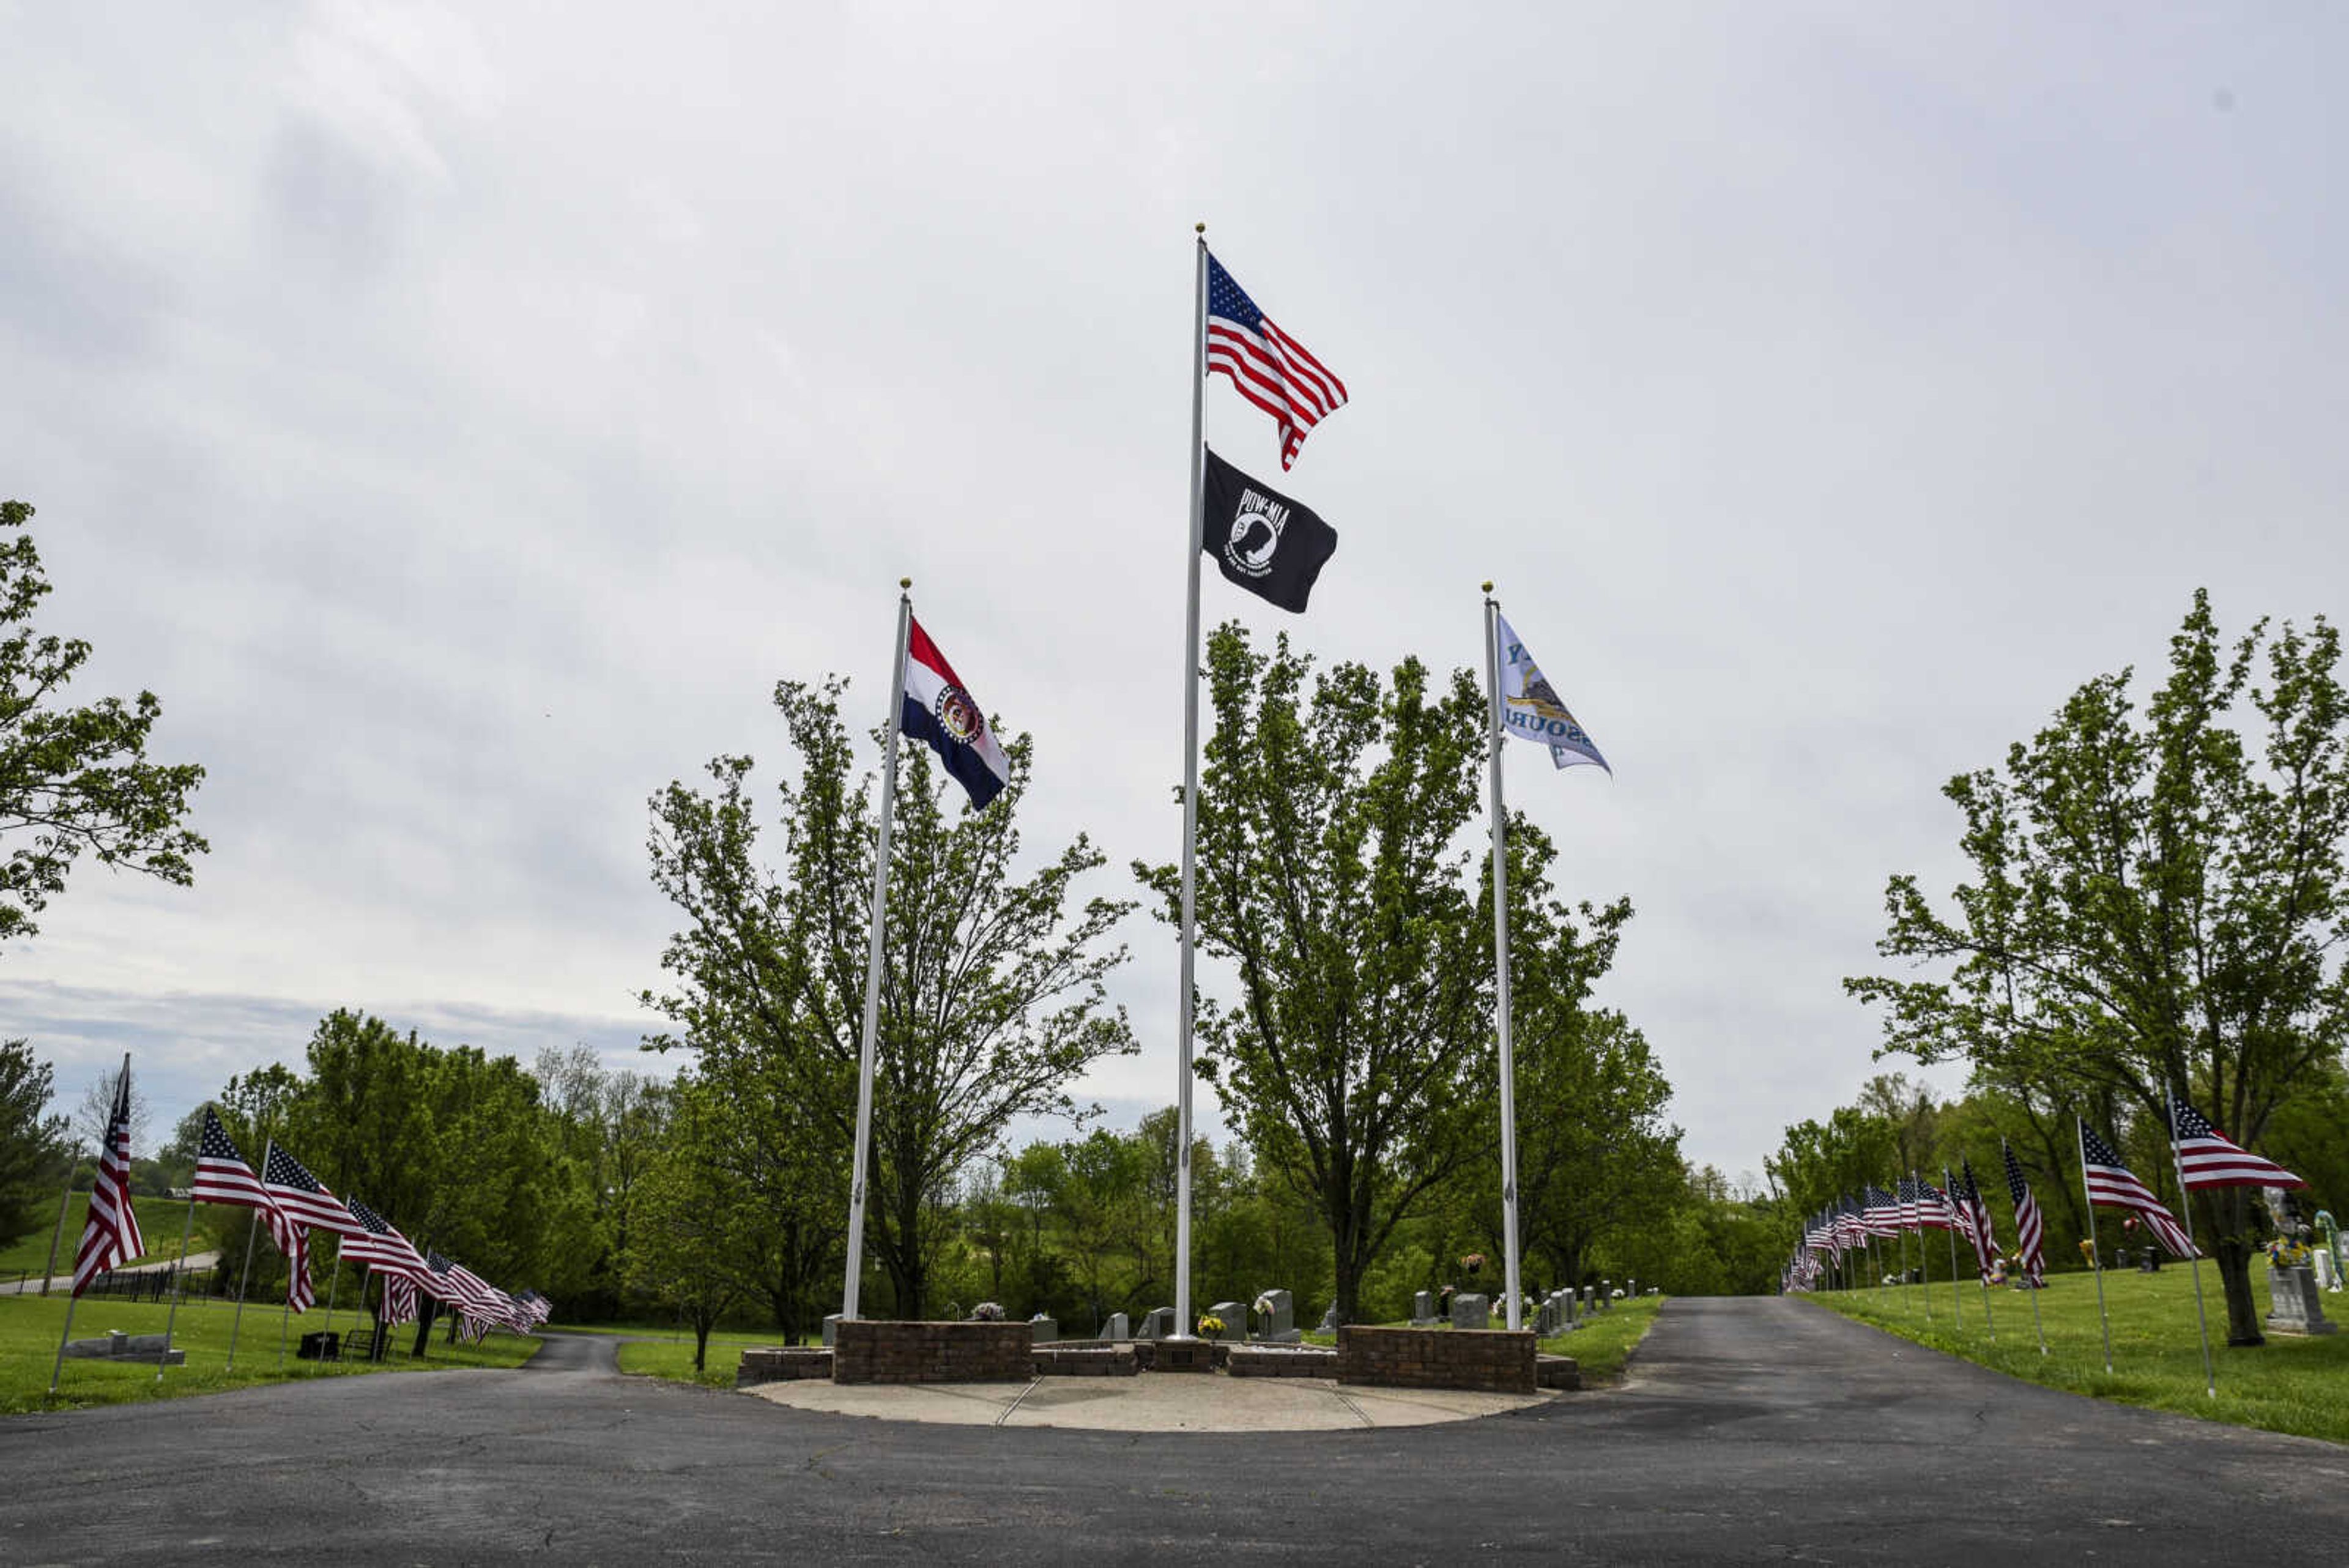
[
  {"x": 1606, "y": 1339},
  {"x": 662, "y": 1358},
  {"x": 159, "y": 1221},
  {"x": 29, "y": 1326},
  {"x": 2294, "y": 1384}
]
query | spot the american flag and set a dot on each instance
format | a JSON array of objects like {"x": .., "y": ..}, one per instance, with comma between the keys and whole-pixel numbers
[
  {"x": 1905, "y": 1192},
  {"x": 536, "y": 1306},
  {"x": 398, "y": 1297},
  {"x": 460, "y": 1287},
  {"x": 2207, "y": 1158},
  {"x": 381, "y": 1246},
  {"x": 1882, "y": 1215},
  {"x": 1977, "y": 1226},
  {"x": 1266, "y": 366},
  {"x": 2112, "y": 1185},
  {"x": 1817, "y": 1236},
  {"x": 2029, "y": 1229},
  {"x": 111, "y": 1236},
  {"x": 1933, "y": 1211},
  {"x": 223, "y": 1177},
  {"x": 305, "y": 1198}
]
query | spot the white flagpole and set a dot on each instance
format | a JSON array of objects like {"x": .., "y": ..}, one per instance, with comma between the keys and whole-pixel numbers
[
  {"x": 1184, "y": 1001},
  {"x": 873, "y": 954},
  {"x": 1501, "y": 962},
  {"x": 2186, "y": 1212},
  {"x": 236, "y": 1320},
  {"x": 1924, "y": 1258},
  {"x": 179, "y": 1272},
  {"x": 2096, "y": 1248},
  {"x": 1950, "y": 1212},
  {"x": 64, "y": 1206}
]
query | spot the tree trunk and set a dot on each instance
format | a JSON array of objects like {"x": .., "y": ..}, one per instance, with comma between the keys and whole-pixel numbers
[
  {"x": 425, "y": 1311},
  {"x": 701, "y": 1325},
  {"x": 2227, "y": 1224}
]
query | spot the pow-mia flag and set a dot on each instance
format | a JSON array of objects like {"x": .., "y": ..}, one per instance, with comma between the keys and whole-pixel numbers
[{"x": 1264, "y": 541}]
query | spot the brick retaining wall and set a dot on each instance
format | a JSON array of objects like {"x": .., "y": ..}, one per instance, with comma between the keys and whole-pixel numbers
[
  {"x": 867, "y": 1351},
  {"x": 782, "y": 1364},
  {"x": 1494, "y": 1360}
]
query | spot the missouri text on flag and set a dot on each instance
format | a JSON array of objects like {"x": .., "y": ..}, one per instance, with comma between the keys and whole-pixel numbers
[
  {"x": 1531, "y": 711},
  {"x": 2029, "y": 1228},
  {"x": 2112, "y": 1185},
  {"x": 305, "y": 1197},
  {"x": 1269, "y": 368},
  {"x": 1263, "y": 541},
  {"x": 936, "y": 707},
  {"x": 2207, "y": 1158},
  {"x": 111, "y": 1237}
]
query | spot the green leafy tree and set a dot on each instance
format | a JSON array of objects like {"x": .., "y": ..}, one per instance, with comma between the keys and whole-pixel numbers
[
  {"x": 1332, "y": 880},
  {"x": 685, "y": 1246},
  {"x": 73, "y": 780},
  {"x": 993, "y": 996},
  {"x": 2154, "y": 901},
  {"x": 32, "y": 1142}
]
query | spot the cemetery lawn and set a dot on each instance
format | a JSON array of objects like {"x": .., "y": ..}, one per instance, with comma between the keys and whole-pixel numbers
[
  {"x": 29, "y": 1326},
  {"x": 2290, "y": 1385},
  {"x": 1604, "y": 1343},
  {"x": 160, "y": 1222},
  {"x": 674, "y": 1359}
]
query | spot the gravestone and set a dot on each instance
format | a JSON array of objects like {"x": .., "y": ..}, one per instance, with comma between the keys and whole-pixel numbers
[
  {"x": 1157, "y": 1324},
  {"x": 1042, "y": 1329},
  {"x": 1470, "y": 1310},
  {"x": 1279, "y": 1309},
  {"x": 1116, "y": 1328},
  {"x": 2326, "y": 1279},
  {"x": 1546, "y": 1320},
  {"x": 1235, "y": 1317},
  {"x": 1330, "y": 1321},
  {"x": 2296, "y": 1306},
  {"x": 1423, "y": 1310},
  {"x": 119, "y": 1346},
  {"x": 830, "y": 1328}
]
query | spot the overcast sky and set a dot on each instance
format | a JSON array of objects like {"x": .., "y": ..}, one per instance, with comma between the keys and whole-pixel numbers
[{"x": 461, "y": 416}]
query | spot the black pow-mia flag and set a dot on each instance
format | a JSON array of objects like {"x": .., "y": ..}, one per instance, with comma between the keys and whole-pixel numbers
[{"x": 1263, "y": 541}]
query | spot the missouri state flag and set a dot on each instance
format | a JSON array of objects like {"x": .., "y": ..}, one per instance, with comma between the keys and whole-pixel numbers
[{"x": 935, "y": 707}]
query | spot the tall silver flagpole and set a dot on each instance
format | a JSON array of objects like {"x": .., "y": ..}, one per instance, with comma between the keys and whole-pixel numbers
[
  {"x": 178, "y": 1270},
  {"x": 2186, "y": 1212},
  {"x": 873, "y": 954},
  {"x": 1182, "y": 1322},
  {"x": 1950, "y": 1210},
  {"x": 237, "y": 1319},
  {"x": 1501, "y": 962},
  {"x": 1924, "y": 1256},
  {"x": 2096, "y": 1248}
]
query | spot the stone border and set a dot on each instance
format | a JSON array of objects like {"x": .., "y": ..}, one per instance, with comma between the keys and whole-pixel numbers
[
  {"x": 1493, "y": 1360},
  {"x": 782, "y": 1364},
  {"x": 865, "y": 1350},
  {"x": 1283, "y": 1361}
]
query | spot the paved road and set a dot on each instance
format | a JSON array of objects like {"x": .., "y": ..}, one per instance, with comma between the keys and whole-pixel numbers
[{"x": 1754, "y": 1431}]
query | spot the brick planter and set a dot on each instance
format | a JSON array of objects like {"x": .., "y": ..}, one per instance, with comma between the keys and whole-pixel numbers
[
  {"x": 1085, "y": 1361},
  {"x": 1282, "y": 1361},
  {"x": 782, "y": 1364},
  {"x": 866, "y": 1351},
  {"x": 1491, "y": 1360}
]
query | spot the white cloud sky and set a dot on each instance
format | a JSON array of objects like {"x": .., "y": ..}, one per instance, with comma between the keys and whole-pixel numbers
[{"x": 460, "y": 416}]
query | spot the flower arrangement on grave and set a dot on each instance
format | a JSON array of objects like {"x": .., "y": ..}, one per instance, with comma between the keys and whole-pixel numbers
[
  {"x": 1211, "y": 1325},
  {"x": 1472, "y": 1262},
  {"x": 1443, "y": 1299},
  {"x": 2286, "y": 1252},
  {"x": 1263, "y": 1307},
  {"x": 986, "y": 1312}
]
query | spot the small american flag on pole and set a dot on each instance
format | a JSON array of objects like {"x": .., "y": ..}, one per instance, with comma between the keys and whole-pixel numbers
[
  {"x": 381, "y": 1246},
  {"x": 2112, "y": 1185},
  {"x": 223, "y": 1177},
  {"x": 111, "y": 1236},
  {"x": 1977, "y": 1226},
  {"x": 398, "y": 1297},
  {"x": 2029, "y": 1228},
  {"x": 305, "y": 1198},
  {"x": 2207, "y": 1158},
  {"x": 1266, "y": 365}
]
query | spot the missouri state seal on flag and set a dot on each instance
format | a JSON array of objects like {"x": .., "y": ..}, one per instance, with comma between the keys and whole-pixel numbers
[
  {"x": 936, "y": 707},
  {"x": 1531, "y": 709}
]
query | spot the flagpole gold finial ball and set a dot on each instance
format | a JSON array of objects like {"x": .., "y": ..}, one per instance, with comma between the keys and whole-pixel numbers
[
  {"x": 1199, "y": 228},
  {"x": 904, "y": 582},
  {"x": 1488, "y": 588}
]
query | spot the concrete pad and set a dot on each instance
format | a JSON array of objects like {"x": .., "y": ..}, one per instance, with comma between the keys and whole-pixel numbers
[{"x": 1151, "y": 1403}]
